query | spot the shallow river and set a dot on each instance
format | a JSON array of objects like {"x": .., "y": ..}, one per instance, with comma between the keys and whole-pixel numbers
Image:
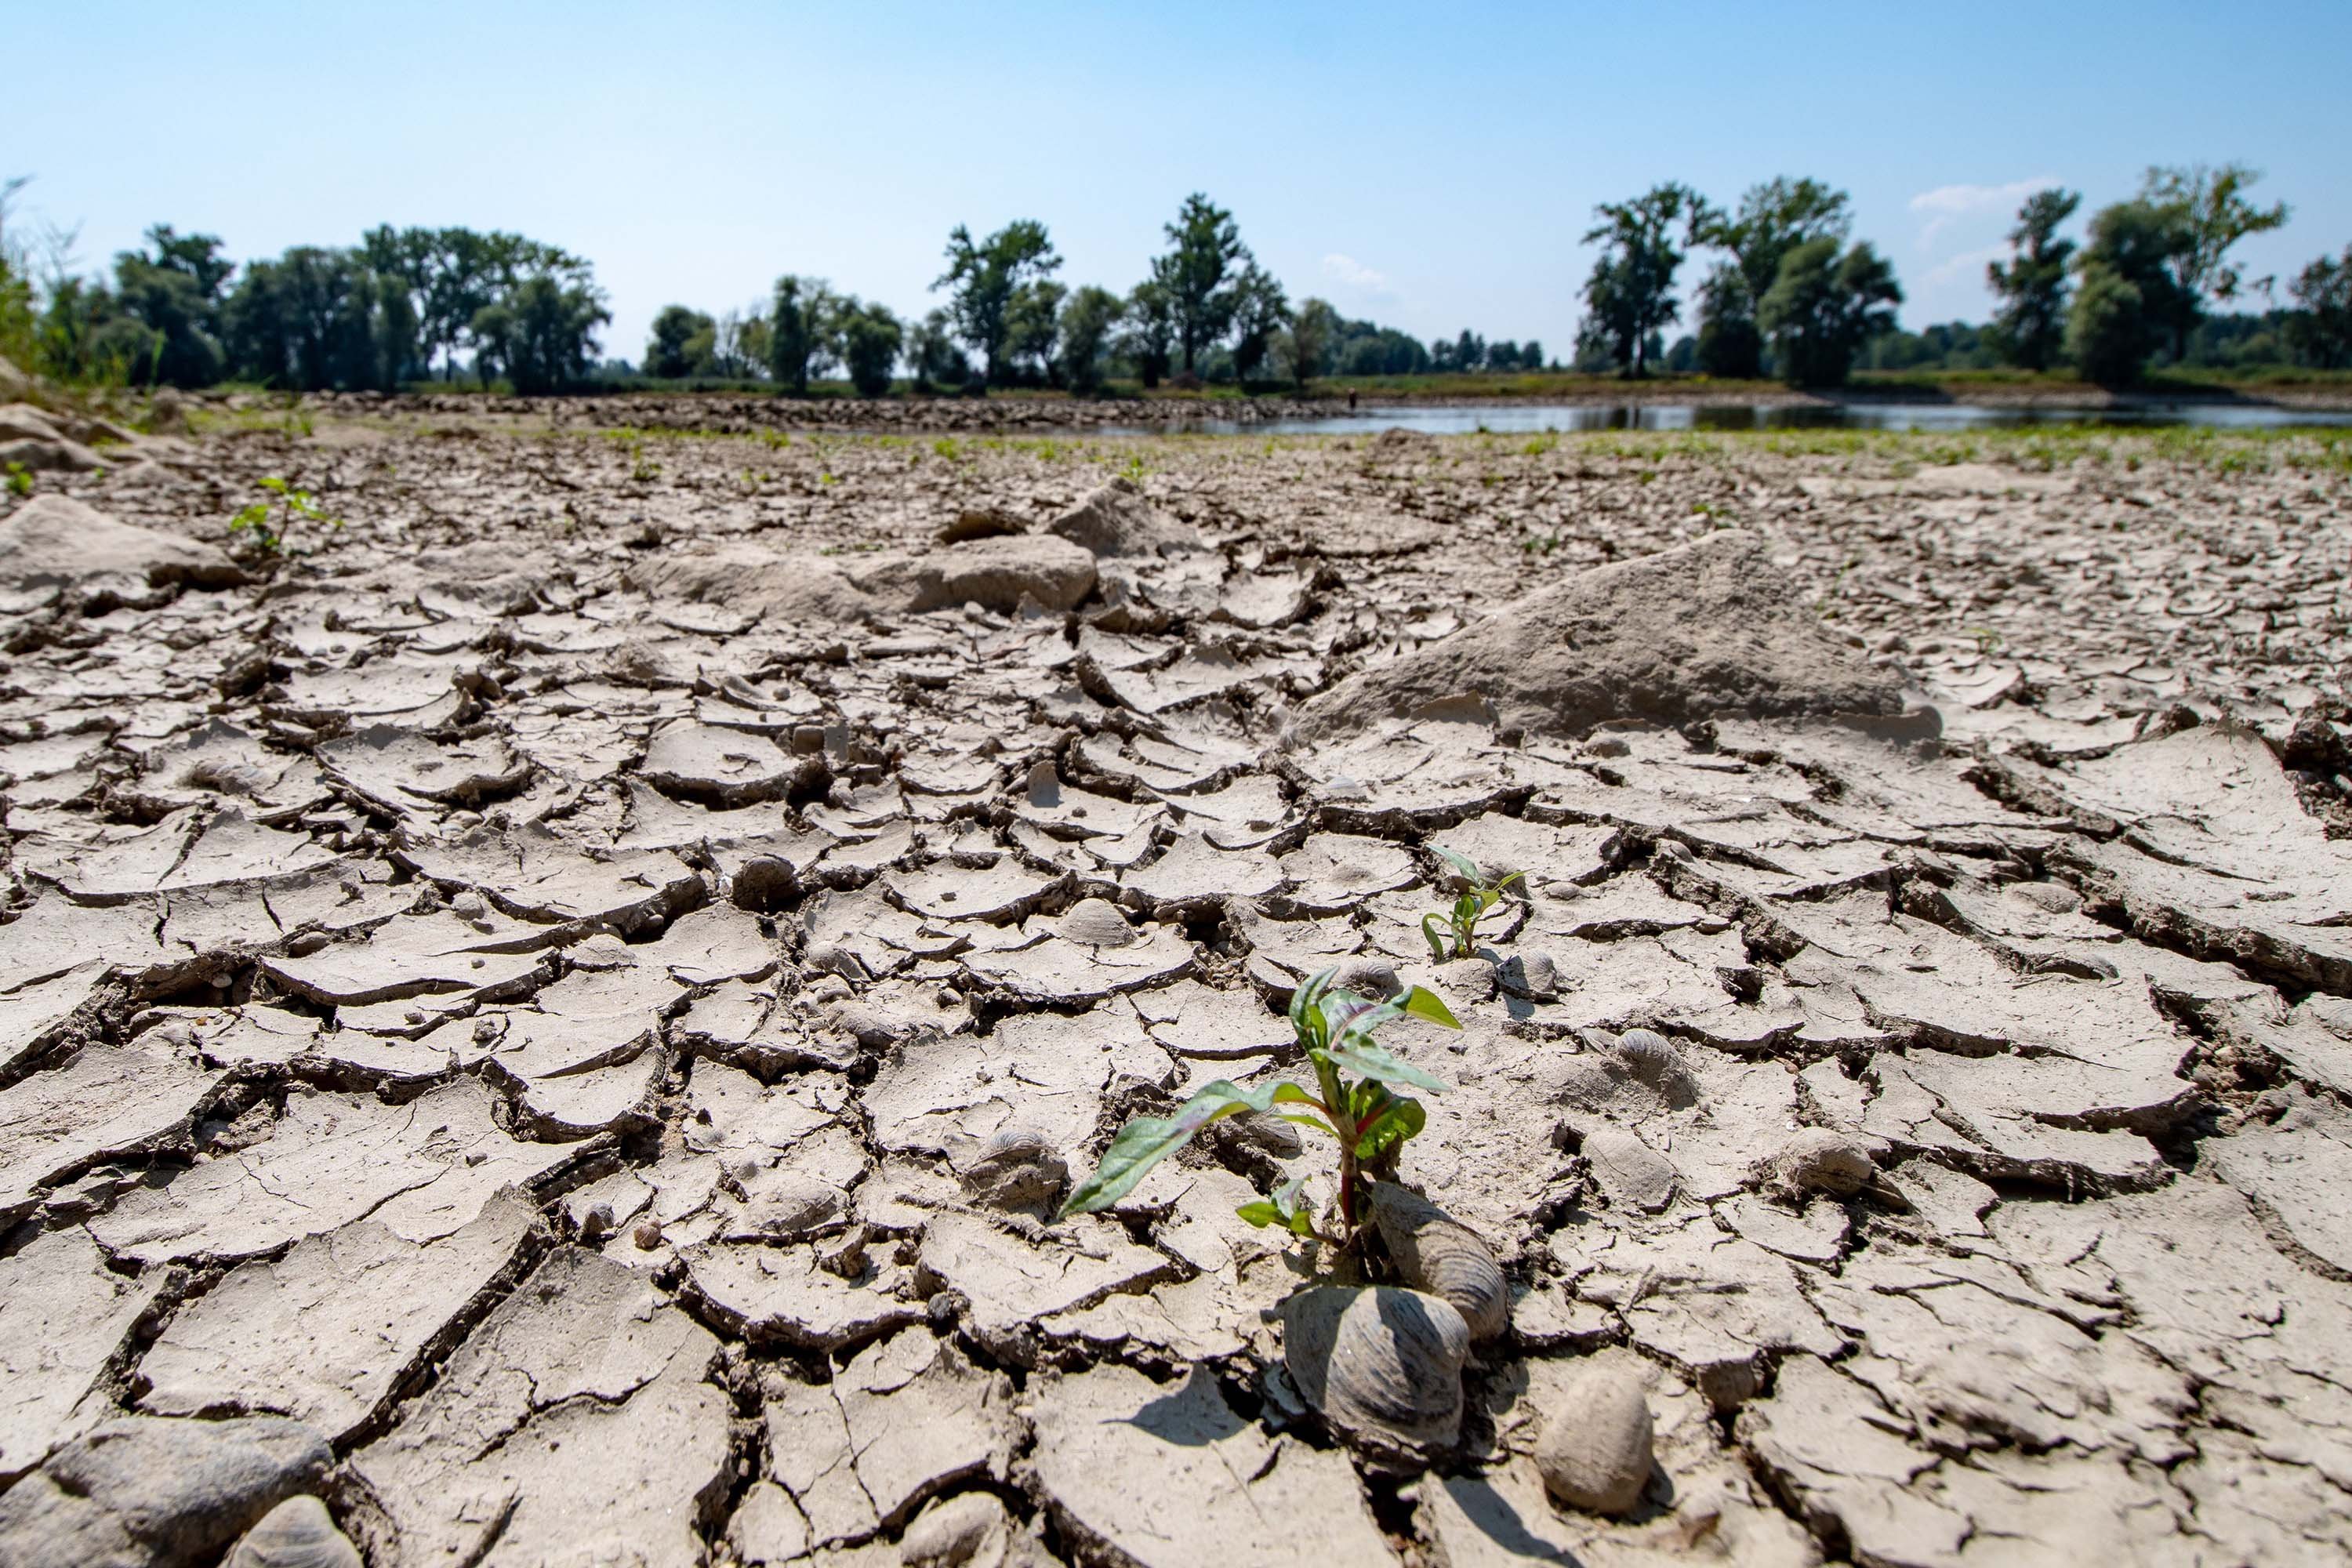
[{"x": 1518, "y": 418}]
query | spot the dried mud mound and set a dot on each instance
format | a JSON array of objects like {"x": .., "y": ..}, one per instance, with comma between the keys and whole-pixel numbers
[
  {"x": 1709, "y": 627},
  {"x": 549, "y": 1024}
]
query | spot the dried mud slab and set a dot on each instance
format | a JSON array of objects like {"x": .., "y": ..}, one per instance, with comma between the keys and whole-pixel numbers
[{"x": 584, "y": 985}]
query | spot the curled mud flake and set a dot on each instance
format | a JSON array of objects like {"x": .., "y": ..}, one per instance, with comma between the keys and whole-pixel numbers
[
  {"x": 1382, "y": 1365},
  {"x": 1438, "y": 1254}
]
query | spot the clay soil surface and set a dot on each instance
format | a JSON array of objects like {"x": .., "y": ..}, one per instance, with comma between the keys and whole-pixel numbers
[{"x": 577, "y": 990}]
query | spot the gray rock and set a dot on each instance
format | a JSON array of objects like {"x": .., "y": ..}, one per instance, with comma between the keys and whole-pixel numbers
[
  {"x": 1117, "y": 521},
  {"x": 149, "y": 1493}
]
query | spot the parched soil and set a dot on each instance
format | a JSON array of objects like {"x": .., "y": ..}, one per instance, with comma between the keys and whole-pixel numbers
[{"x": 576, "y": 988}]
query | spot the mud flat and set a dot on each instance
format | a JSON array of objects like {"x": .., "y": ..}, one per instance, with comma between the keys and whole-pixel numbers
[{"x": 552, "y": 1016}]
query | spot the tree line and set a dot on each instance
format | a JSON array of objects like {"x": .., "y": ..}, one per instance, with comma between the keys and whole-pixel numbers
[
  {"x": 1788, "y": 293},
  {"x": 1791, "y": 296}
]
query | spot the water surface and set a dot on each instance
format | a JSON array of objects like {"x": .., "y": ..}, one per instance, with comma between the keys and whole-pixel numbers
[{"x": 1529, "y": 418}]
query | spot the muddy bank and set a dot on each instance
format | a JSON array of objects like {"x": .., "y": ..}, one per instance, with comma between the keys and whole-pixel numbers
[{"x": 551, "y": 1013}]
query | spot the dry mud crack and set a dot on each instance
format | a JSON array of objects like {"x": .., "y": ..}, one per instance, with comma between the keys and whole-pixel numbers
[{"x": 555, "y": 1016}]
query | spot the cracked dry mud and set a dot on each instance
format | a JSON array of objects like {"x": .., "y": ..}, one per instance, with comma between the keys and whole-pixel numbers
[{"x": 553, "y": 1017}]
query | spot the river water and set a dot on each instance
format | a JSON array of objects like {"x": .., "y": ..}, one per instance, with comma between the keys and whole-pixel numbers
[{"x": 1529, "y": 418}]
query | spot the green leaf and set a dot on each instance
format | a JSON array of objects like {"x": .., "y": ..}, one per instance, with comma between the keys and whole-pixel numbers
[
  {"x": 1360, "y": 1057},
  {"x": 1260, "y": 1213},
  {"x": 1148, "y": 1140},
  {"x": 1433, "y": 928},
  {"x": 1306, "y": 1003},
  {"x": 1399, "y": 1121},
  {"x": 1280, "y": 1207},
  {"x": 1462, "y": 864},
  {"x": 273, "y": 485},
  {"x": 1424, "y": 1003}
]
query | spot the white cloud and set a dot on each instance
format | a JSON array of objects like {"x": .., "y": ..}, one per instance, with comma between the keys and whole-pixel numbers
[
  {"x": 1947, "y": 203},
  {"x": 1350, "y": 273},
  {"x": 1967, "y": 264}
]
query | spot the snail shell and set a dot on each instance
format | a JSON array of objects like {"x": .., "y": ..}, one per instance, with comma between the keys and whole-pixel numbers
[
  {"x": 1823, "y": 1160},
  {"x": 1018, "y": 1168},
  {"x": 1373, "y": 977},
  {"x": 1096, "y": 922},
  {"x": 1439, "y": 1254},
  {"x": 296, "y": 1533},
  {"x": 1382, "y": 1366},
  {"x": 1650, "y": 1054}
]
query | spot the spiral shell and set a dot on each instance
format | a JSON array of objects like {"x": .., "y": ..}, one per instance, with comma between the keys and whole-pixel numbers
[
  {"x": 1438, "y": 1254},
  {"x": 1382, "y": 1365},
  {"x": 296, "y": 1533}
]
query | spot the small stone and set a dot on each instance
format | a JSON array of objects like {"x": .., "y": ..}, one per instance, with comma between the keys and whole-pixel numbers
[
  {"x": 1595, "y": 1451},
  {"x": 647, "y": 1236}
]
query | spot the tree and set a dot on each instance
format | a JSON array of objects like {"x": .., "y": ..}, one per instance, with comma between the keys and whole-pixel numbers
[
  {"x": 1149, "y": 332},
  {"x": 870, "y": 338},
  {"x": 2133, "y": 255},
  {"x": 1205, "y": 248},
  {"x": 1824, "y": 307},
  {"x": 1315, "y": 330},
  {"x": 2210, "y": 206},
  {"x": 2107, "y": 331},
  {"x": 982, "y": 279},
  {"x": 800, "y": 329},
  {"x": 2321, "y": 331},
  {"x": 174, "y": 291},
  {"x": 2030, "y": 328},
  {"x": 932, "y": 349},
  {"x": 1630, "y": 295},
  {"x": 1261, "y": 310},
  {"x": 1084, "y": 328},
  {"x": 669, "y": 350},
  {"x": 1772, "y": 219},
  {"x": 1531, "y": 355},
  {"x": 1033, "y": 330},
  {"x": 543, "y": 332}
]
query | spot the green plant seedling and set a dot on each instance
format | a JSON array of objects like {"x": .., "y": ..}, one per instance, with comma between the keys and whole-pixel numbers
[
  {"x": 1355, "y": 1103},
  {"x": 291, "y": 506},
  {"x": 20, "y": 479},
  {"x": 1454, "y": 933}
]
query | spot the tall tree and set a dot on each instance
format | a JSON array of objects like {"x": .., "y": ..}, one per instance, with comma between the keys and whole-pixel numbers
[
  {"x": 983, "y": 278},
  {"x": 1630, "y": 294},
  {"x": 2214, "y": 215},
  {"x": 2030, "y": 328},
  {"x": 870, "y": 337},
  {"x": 1033, "y": 330},
  {"x": 1084, "y": 328},
  {"x": 1824, "y": 307},
  {"x": 1772, "y": 219},
  {"x": 1205, "y": 250},
  {"x": 669, "y": 351},
  {"x": 173, "y": 289},
  {"x": 800, "y": 329},
  {"x": 1315, "y": 328},
  {"x": 1261, "y": 311},
  {"x": 2130, "y": 297},
  {"x": 1149, "y": 332},
  {"x": 542, "y": 332},
  {"x": 2322, "y": 330},
  {"x": 932, "y": 349}
]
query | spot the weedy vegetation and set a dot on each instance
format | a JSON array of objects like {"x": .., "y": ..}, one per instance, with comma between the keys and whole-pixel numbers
[
  {"x": 269, "y": 521},
  {"x": 1454, "y": 933},
  {"x": 1355, "y": 1103},
  {"x": 20, "y": 479}
]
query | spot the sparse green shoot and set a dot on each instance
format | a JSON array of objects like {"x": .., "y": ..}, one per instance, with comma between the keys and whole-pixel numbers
[{"x": 1454, "y": 933}]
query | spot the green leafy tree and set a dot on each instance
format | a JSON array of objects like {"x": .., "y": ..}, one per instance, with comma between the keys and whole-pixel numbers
[
  {"x": 1772, "y": 219},
  {"x": 2213, "y": 214},
  {"x": 1261, "y": 311},
  {"x": 543, "y": 332},
  {"x": 1205, "y": 252},
  {"x": 1824, "y": 307},
  {"x": 2109, "y": 330},
  {"x": 19, "y": 323},
  {"x": 982, "y": 279},
  {"x": 870, "y": 337},
  {"x": 2133, "y": 258},
  {"x": 1630, "y": 295},
  {"x": 800, "y": 329},
  {"x": 2030, "y": 328},
  {"x": 2321, "y": 331},
  {"x": 1315, "y": 331},
  {"x": 1149, "y": 336},
  {"x": 669, "y": 350},
  {"x": 937, "y": 361},
  {"x": 173, "y": 289},
  {"x": 1088, "y": 317},
  {"x": 1033, "y": 331},
  {"x": 319, "y": 318}
]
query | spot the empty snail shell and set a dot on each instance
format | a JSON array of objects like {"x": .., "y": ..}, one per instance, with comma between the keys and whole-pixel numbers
[
  {"x": 1533, "y": 975},
  {"x": 1017, "y": 1168},
  {"x": 1439, "y": 1254},
  {"x": 296, "y": 1533},
  {"x": 1382, "y": 1365}
]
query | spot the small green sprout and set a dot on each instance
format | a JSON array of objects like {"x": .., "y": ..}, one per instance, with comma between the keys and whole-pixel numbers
[
  {"x": 20, "y": 479},
  {"x": 1364, "y": 1114},
  {"x": 1454, "y": 934},
  {"x": 292, "y": 506},
  {"x": 1988, "y": 640}
]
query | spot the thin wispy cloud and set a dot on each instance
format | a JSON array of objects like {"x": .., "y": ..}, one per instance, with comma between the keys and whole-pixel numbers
[
  {"x": 1351, "y": 274},
  {"x": 1946, "y": 204},
  {"x": 1967, "y": 264}
]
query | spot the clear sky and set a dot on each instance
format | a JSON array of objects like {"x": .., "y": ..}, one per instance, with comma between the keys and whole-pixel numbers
[{"x": 1431, "y": 166}]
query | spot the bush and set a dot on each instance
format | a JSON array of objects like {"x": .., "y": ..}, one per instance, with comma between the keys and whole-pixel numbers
[{"x": 2108, "y": 334}]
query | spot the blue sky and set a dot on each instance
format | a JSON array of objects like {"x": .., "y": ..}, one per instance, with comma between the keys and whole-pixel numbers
[{"x": 1431, "y": 166}]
